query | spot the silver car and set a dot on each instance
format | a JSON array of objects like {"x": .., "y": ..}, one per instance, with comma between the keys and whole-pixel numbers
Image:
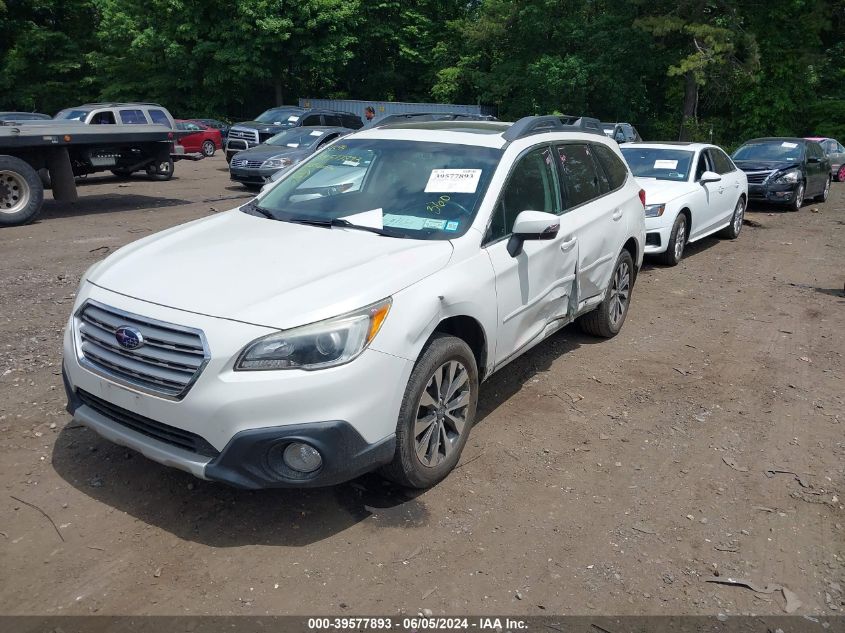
[{"x": 835, "y": 152}]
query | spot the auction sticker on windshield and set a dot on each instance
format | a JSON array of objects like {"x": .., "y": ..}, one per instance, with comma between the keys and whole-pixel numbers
[
  {"x": 453, "y": 181},
  {"x": 665, "y": 164}
]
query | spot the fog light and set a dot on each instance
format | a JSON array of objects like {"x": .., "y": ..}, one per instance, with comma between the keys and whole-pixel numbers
[{"x": 302, "y": 458}]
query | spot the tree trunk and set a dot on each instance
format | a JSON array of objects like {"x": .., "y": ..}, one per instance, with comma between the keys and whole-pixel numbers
[
  {"x": 690, "y": 107},
  {"x": 278, "y": 86}
]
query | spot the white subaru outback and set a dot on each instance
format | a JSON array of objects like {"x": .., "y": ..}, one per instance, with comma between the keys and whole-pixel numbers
[{"x": 343, "y": 320}]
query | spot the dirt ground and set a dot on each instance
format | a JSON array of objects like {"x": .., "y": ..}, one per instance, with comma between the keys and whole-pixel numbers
[{"x": 603, "y": 476}]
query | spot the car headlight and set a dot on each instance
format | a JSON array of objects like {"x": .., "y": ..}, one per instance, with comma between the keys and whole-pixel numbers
[
  {"x": 319, "y": 345},
  {"x": 654, "y": 210},
  {"x": 787, "y": 177},
  {"x": 277, "y": 162}
]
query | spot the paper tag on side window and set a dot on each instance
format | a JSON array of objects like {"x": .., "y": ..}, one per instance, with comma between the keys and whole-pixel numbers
[
  {"x": 316, "y": 133},
  {"x": 789, "y": 145},
  {"x": 453, "y": 181},
  {"x": 665, "y": 164}
]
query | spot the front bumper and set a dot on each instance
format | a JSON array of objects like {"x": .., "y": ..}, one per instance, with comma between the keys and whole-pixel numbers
[
  {"x": 774, "y": 193},
  {"x": 657, "y": 233},
  {"x": 226, "y": 425},
  {"x": 251, "y": 176}
]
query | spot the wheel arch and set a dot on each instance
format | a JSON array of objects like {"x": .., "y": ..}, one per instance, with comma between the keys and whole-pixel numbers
[{"x": 469, "y": 330}]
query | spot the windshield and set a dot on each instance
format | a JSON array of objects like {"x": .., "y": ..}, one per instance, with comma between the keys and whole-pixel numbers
[
  {"x": 661, "y": 164},
  {"x": 408, "y": 188},
  {"x": 72, "y": 115},
  {"x": 279, "y": 116},
  {"x": 770, "y": 151},
  {"x": 300, "y": 137}
]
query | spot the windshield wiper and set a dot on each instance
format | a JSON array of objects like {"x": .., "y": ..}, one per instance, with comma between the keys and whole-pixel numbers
[
  {"x": 252, "y": 208},
  {"x": 340, "y": 222}
]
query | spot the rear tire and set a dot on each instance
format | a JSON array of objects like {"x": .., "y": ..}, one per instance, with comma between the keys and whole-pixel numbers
[
  {"x": 21, "y": 192},
  {"x": 731, "y": 231},
  {"x": 162, "y": 170},
  {"x": 208, "y": 148},
  {"x": 824, "y": 195},
  {"x": 606, "y": 320},
  {"x": 677, "y": 240},
  {"x": 436, "y": 415}
]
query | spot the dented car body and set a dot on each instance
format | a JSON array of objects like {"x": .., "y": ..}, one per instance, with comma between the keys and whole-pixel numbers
[{"x": 343, "y": 320}]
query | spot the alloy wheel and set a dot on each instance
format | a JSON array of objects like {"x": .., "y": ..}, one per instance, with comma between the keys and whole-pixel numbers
[
  {"x": 620, "y": 290},
  {"x": 680, "y": 238},
  {"x": 442, "y": 413},
  {"x": 739, "y": 214}
]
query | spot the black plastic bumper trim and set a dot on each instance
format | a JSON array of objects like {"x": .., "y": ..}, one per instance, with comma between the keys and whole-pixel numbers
[{"x": 252, "y": 458}]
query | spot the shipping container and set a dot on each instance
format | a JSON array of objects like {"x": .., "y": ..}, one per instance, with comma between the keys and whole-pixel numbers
[{"x": 383, "y": 108}]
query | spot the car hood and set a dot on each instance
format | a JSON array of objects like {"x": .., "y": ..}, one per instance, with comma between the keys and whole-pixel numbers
[
  {"x": 266, "y": 272},
  {"x": 766, "y": 165},
  {"x": 263, "y": 152},
  {"x": 663, "y": 191}
]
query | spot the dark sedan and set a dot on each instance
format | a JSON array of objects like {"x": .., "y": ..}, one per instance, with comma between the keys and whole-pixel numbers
[
  {"x": 255, "y": 166},
  {"x": 784, "y": 170}
]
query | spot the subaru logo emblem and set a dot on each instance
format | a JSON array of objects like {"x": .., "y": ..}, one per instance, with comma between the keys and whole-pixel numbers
[{"x": 129, "y": 337}]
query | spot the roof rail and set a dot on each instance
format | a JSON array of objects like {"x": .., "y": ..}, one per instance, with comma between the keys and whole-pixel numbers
[
  {"x": 401, "y": 117},
  {"x": 552, "y": 123}
]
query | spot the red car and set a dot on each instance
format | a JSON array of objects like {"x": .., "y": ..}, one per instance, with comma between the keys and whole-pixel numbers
[{"x": 205, "y": 139}]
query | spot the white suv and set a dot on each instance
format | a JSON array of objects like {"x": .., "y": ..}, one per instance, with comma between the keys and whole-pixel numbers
[{"x": 343, "y": 320}]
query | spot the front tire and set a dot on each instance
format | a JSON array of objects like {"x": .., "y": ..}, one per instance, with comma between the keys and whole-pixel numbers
[
  {"x": 606, "y": 320},
  {"x": 824, "y": 195},
  {"x": 677, "y": 240},
  {"x": 208, "y": 148},
  {"x": 799, "y": 198},
  {"x": 437, "y": 413},
  {"x": 21, "y": 192},
  {"x": 731, "y": 231}
]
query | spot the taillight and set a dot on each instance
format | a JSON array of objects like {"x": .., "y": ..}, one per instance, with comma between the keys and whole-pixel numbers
[{"x": 642, "y": 197}]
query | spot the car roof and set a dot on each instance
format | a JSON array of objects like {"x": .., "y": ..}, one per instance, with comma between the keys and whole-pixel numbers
[
  {"x": 818, "y": 139},
  {"x": 775, "y": 139},
  {"x": 478, "y": 133},
  {"x": 668, "y": 145}
]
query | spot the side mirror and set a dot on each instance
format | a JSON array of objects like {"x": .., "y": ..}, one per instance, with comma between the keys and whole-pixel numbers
[
  {"x": 709, "y": 176},
  {"x": 532, "y": 225}
]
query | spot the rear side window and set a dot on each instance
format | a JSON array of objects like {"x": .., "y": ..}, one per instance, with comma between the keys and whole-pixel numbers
[
  {"x": 159, "y": 118},
  {"x": 313, "y": 119},
  {"x": 130, "y": 117},
  {"x": 352, "y": 122},
  {"x": 580, "y": 179},
  {"x": 721, "y": 162},
  {"x": 615, "y": 169},
  {"x": 333, "y": 120}
]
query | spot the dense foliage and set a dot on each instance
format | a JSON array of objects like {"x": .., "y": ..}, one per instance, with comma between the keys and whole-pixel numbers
[{"x": 675, "y": 68}]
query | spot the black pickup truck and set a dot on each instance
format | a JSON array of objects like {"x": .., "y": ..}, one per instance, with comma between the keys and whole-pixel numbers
[{"x": 62, "y": 151}]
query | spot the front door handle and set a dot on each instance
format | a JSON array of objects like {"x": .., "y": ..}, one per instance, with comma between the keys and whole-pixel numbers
[
  {"x": 617, "y": 215},
  {"x": 568, "y": 244}
]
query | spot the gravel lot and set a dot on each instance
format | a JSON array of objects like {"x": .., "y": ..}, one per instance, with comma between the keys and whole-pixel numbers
[{"x": 603, "y": 476}]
